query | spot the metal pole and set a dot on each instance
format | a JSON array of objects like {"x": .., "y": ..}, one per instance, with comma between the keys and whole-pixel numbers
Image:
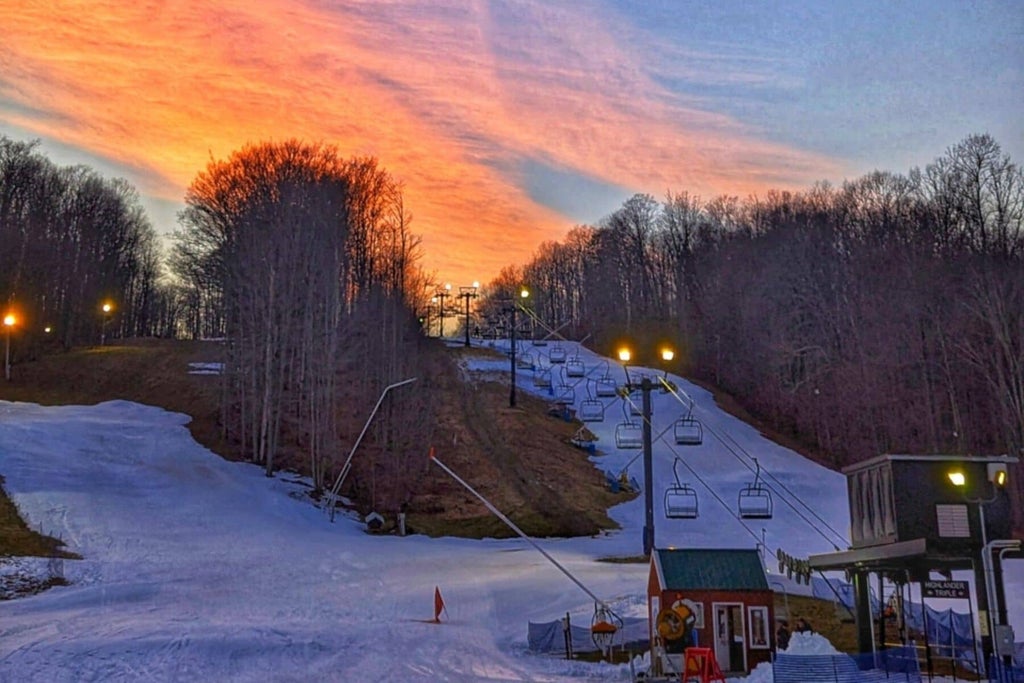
[
  {"x": 348, "y": 462},
  {"x": 508, "y": 522},
  {"x": 512, "y": 389},
  {"x": 645, "y": 386},
  {"x": 974, "y": 636},
  {"x": 924, "y": 631},
  {"x": 7, "y": 357},
  {"x": 441, "y": 297}
]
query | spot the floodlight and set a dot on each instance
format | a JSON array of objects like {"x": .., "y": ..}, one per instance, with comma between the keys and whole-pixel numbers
[
  {"x": 957, "y": 477},
  {"x": 997, "y": 473},
  {"x": 625, "y": 355}
]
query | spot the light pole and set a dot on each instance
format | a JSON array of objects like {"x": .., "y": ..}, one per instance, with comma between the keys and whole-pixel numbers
[
  {"x": 9, "y": 322},
  {"x": 468, "y": 293},
  {"x": 442, "y": 294},
  {"x": 645, "y": 385},
  {"x": 524, "y": 293},
  {"x": 107, "y": 308},
  {"x": 995, "y": 609}
]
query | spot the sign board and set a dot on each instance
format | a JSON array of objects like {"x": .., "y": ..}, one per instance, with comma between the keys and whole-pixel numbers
[{"x": 946, "y": 589}]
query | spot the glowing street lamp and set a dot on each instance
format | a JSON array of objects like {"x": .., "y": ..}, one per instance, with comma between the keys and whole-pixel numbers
[
  {"x": 107, "y": 308},
  {"x": 645, "y": 385},
  {"x": 524, "y": 294},
  {"x": 994, "y": 604},
  {"x": 9, "y": 322}
]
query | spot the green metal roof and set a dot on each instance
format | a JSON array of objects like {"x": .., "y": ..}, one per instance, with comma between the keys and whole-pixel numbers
[{"x": 711, "y": 569}]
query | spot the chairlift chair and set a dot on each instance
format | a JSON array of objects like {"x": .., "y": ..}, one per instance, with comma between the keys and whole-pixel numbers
[
  {"x": 557, "y": 354},
  {"x": 542, "y": 378},
  {"x": 629, "y": 435},
  {"x": 591, "y": 410},
  {"x": 688, "y": 431},
  {"x": 606, "y": 387},
  {"x": 524, "y": 359},
  {"x": 680, "y": 498},
  {"x": 565, "y": 394},
  {"x": 681, "y": 502},
  {"x": 574, "y": 368},
  {"x": 755, "y": 500}
]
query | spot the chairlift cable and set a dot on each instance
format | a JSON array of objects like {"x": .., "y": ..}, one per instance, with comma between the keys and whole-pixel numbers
[
  {"x": 785, "y": 488},
  {"x": 781, "y": 485}
]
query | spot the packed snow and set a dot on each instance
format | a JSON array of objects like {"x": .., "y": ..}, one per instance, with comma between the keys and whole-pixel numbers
[{"x": 197, "y": 569}]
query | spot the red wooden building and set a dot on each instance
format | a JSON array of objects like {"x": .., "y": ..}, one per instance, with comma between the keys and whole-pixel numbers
[{"x": 718, "y": 598}]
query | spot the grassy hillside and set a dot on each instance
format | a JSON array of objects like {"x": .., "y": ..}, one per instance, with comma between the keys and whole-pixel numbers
[{"x": 521, "y": 458}]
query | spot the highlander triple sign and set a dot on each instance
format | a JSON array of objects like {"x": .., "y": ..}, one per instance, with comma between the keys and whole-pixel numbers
[{"x": 946, "y": 589}]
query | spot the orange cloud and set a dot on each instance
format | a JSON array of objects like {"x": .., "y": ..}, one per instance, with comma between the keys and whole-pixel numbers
[{"x": 451, "y": 98}]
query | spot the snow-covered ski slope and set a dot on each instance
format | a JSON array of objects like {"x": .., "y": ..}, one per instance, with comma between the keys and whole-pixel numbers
[{"x": 200, "y": 569}]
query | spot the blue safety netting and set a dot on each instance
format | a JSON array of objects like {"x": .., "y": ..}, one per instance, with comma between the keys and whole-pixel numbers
[
  {"x": 895, "y": 665},
  {"x": 550, "y": 636},
  {"x": 949, "y": 633}
]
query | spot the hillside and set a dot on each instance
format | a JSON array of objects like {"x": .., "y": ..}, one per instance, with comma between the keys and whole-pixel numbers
[{"x": 519, "y": 458}]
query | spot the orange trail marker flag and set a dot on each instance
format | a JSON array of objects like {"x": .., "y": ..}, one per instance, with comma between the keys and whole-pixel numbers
[{"x": 438, "y": 605}]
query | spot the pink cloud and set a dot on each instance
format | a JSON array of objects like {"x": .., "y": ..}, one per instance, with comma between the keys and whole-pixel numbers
[{"x": 448, "y": 96}]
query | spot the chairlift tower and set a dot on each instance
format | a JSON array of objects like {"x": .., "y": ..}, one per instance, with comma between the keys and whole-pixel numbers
[
  {"x": 468, "y": 293},
  {"x": 645, "y": 385}
]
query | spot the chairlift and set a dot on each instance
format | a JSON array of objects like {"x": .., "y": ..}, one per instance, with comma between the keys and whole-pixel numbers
[
  {"x": 542, "y": 378},
  {"x": 565, "y": 394},
  {"x": 680, "y": 499},
  {"x": 688, "y": 431},
  {"x": 557, "y": 354},
  {"x": 755, "y": 500},
  {"x": 606, "y": 387},
  {"x": 524, "y": 359},
  {"x": 629, "y": 435},
  {"x": 574, "y": 367},
  {"x": 591, "y": 410}
]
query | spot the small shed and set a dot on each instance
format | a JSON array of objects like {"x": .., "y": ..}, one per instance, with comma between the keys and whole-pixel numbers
[{"x": 723, "y": 597}]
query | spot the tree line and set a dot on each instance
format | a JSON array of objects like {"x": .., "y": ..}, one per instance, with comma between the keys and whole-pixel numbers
[
  {"x": 303, "y": 261},
  {"x": 73, "y": 241},
  {"x": 885, "y": 315}
]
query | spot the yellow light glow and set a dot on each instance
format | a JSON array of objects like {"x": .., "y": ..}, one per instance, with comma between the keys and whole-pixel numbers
[
  {"x": 625, "y": 354},
  {"x": 107, "y": 308},
  {"x": 524, "y": 292},
  {"x": 997, "y": 473},
  {"x": 476, "y": 284},
  {"x": 10, "y": 320},
  {"x": 957, "y": 477},
  {"x": 47, "y": 329},
  {"x": 447, "y": 286},
  {"x": 667, "y": 354}
]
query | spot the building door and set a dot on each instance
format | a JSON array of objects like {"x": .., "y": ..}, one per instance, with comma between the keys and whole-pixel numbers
[{"x": 730, "y": 642}]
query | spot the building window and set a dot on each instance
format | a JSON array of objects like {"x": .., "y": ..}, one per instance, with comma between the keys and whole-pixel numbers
[{"x": 758, "y": 620}]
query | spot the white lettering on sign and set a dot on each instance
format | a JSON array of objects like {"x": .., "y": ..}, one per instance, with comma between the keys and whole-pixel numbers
[{"x": 946, "y": 589}]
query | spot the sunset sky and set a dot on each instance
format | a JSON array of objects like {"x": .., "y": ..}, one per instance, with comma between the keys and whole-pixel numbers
[{"x": 511, "y": 121}]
